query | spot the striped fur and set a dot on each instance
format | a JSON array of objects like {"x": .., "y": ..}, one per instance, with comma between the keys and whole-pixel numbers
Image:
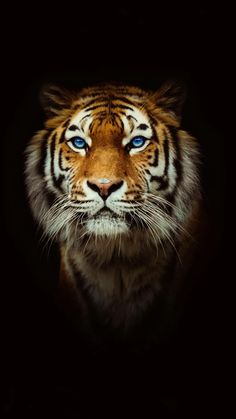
[{"x": 116, "y": 254}]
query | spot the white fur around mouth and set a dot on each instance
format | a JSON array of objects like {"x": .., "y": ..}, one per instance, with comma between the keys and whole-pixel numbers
[{"x": 107, "y": 225}]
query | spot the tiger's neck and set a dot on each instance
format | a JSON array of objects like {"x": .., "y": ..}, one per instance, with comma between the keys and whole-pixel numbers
[{"x": 119, "y": 279}]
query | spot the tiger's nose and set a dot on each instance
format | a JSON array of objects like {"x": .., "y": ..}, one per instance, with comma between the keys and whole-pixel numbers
[{"x": 104, "y": 187}]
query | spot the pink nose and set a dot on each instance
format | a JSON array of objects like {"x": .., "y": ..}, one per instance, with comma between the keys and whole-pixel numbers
[{"x": 104, "y": 187}]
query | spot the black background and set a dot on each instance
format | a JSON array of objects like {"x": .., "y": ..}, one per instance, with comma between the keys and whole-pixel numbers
[{"x": 45, "y": 369}]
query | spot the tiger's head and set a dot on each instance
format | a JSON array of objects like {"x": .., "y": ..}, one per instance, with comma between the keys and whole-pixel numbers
[{"x": 112, "y": 160}]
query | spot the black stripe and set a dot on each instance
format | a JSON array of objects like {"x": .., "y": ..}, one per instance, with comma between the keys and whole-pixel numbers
[
  {"x": 159, "y": 179},
  {"x": 177, "y": 164},
  {"x": 60, "y": 162},
  {"x": 66, "y": 123},
  {"x": 178, "y": 168},
  {"x": 91, "y": 126},
  {"x": 163, "y": 180},
  {"x": 92, "y": 108},
  {"x": 117, "y": 120},
  {"x": 122, "y": 124},
  {"x": 131, "y": 124},
  {"x": 154, "y": 136},
  {"x": 156, "y": 158},
  {"x": 73, "y": 128},
  {"x": 167, "y": 157},
  {"x": 101, "y": 115},
  {"x": 52, "y": 151},
  {"x": 56, "y": 182},
  {"x": 122, "y": 113},
  {"x": 84, "y": 117},
  {"x": 153, "y": 120},
  {"x": 164, "y": 184},
  {"x": 131, "y": 117},
  {"x": 178, "y": 158},
  {"x": 142, "y": 127},
  {"x": 119, "y": 106},
  {"x": 62, "y": 136},
  {"x": 42, "y": 159}
]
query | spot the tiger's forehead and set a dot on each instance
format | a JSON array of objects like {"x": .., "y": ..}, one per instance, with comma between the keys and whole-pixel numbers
[{"x": 126, "y": 120}]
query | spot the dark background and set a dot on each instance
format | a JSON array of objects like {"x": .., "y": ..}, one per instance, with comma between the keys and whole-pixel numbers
[{"x": 45, "y": 368}]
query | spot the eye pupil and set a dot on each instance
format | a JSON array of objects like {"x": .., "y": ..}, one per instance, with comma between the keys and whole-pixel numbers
[
  {"x": 137, "y": 142},
  {"x": 78, "y": 142}
]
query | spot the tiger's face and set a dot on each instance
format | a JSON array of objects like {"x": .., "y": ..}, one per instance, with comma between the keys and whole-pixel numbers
[
  {"x": 110, "y": 157},
  {"x": 111, "y": 161}
]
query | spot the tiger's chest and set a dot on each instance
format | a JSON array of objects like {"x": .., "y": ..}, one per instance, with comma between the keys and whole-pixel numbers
[{"x": 120, "y": 293}]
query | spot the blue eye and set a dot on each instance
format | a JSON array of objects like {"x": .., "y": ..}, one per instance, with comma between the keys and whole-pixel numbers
[
  {"x": 78, "y": 142},
  {"x": 137, "y": 142}
]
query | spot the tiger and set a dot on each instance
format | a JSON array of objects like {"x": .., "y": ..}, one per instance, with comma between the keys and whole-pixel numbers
[{"x": 114, "y": 180}]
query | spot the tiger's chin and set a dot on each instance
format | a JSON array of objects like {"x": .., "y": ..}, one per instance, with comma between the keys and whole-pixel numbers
[{"x": 107, "y": 224}]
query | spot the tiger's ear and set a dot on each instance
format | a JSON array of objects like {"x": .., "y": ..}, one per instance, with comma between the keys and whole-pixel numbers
[
  {"x": 171, "y": 97},
  {"x": 54, "y": 98}
]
